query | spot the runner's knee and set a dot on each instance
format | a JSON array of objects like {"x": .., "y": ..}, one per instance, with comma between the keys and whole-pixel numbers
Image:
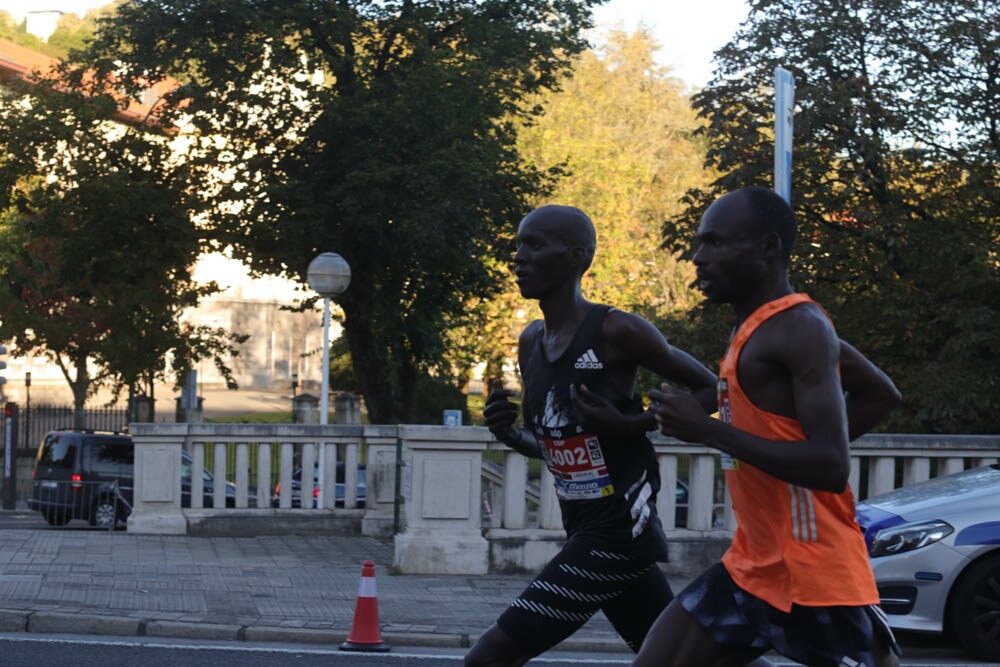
[{"x": 495, "y": 649}]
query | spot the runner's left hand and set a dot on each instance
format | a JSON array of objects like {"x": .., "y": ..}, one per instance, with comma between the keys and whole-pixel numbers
[
  {"x": 678, "y": 414},
  {"x": 597, "y": 414}
]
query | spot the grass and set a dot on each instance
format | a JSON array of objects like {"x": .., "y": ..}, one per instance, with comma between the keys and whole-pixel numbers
[{"x": 475, "y": 406}]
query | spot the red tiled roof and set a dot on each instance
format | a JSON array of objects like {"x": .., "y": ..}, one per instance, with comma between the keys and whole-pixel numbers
[{"x": 19, "y": 61}]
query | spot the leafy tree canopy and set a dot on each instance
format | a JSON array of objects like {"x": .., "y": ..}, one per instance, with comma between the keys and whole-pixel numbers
[
  {"x": 620, "y": 131},
  {"x": 379, "y": 130},
  {"x": 895, "y": 184},
  {"x": 96, "y": 239}
]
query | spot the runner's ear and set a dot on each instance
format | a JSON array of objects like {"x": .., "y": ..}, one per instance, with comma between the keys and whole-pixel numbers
[{"x": 771, "y": 246}]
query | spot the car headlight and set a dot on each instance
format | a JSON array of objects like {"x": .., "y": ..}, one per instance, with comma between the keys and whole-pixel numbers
[{"x": 907, "y": 537}]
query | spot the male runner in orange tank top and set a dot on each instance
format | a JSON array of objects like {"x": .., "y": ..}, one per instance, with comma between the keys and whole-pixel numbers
[{"x": 796, "y": 578}]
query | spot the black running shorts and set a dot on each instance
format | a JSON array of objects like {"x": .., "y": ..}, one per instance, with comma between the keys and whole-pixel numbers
[
  {"x": 816, "y": 636},
  {"x": 580, "y": 580}
]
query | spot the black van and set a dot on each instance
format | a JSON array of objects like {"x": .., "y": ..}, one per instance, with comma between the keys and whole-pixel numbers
[{"x": 89, "y": 475}]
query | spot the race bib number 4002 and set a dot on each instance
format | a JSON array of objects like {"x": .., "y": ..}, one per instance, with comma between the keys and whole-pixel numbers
[{"x": 578, "y": 466}]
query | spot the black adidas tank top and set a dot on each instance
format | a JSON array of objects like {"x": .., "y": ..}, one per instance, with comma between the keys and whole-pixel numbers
[{"x": 606, "y": 487}]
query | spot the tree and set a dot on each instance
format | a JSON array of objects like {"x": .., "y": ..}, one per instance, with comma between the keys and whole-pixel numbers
[
  {"x": 379, "y": 130},
  {"x": 96, "y": 239},
  {"x": 895, "y": 183},
  {"x": 620, "y": 134},
  {"x": 622, "y": 130}
]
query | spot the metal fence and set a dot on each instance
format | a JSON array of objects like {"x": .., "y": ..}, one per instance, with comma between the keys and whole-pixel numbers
[{"x": 37, "y": 420}]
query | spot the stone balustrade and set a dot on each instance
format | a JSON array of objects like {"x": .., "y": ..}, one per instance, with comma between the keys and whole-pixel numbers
[{"x": 454, "y": 499}]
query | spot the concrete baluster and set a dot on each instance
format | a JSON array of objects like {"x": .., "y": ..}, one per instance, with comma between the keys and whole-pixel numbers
[
  {"x": 219, "y": 470},
  {"x": 350, "y": 475},
  {"x": 264, "y": 474},
  {"x": 307, "y": 488},
  {"x": 285, "y": 475},
  {"x": 515, "y": 483},
  {"x": 242, "y": 475},
  {"x": 701, "y": 489},
  {"x": 666, "y": 501},
  {"x": 916, "y": 470},
  {"x": 197, "y": 475}
]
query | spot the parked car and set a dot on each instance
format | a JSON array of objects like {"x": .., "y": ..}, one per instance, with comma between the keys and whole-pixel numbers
[
  {"x": 681, "y": 501},
  {"x": 338, "y": 487},
  {"x": 935, "y": 551},
  {"x": 89, "y": 475}
]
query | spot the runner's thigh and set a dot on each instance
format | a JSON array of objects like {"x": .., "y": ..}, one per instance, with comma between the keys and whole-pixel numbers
[
  {"x": 640, "y": 604},
  {"x": 578, "y": 581}
]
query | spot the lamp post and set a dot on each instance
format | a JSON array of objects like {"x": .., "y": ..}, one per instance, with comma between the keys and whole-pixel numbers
[
  {"x": 329, "y": 274},
  {"x": 27, "y": 409}
]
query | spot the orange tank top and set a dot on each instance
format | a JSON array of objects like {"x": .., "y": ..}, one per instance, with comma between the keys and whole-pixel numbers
[{"x": 792, "y": 545}]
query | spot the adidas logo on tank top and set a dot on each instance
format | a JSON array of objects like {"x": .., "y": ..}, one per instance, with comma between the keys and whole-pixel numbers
[{"x": 588, "y": 361}]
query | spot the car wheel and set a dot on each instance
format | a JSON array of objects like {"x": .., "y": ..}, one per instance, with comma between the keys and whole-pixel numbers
[
  {"x": 974, "y": 604},
  {"x": 105, "y": 514},
  {"x": 57, "y": 518}
]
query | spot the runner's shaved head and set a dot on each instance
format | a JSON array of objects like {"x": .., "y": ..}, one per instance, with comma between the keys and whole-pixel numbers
[{"x": 570, "y": 224}]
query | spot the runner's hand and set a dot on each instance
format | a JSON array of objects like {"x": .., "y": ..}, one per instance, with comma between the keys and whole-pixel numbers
[
  {"x": 500, "y": 414},
  {"x": 597, "y": 414},
  {"x": 679, "y": 415}
]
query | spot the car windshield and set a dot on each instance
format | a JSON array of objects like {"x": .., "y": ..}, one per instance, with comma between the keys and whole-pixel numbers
[{"x": 186, "y": 471}]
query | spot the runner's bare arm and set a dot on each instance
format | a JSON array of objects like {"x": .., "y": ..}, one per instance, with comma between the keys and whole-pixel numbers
[
  {"x": 644, "y": 345},
  {"x": 808, "y": 349},
  {"x": 500, "y": 414},
  {"x": 630, "y": 342},
  {"x": 869, "y": 393}
]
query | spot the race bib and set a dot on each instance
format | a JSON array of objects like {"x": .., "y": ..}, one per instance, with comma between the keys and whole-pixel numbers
[
  {"x": 578, "y": 466},
  {"x": 726, "y": 415}
]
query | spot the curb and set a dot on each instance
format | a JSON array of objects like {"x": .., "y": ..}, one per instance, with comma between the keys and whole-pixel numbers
[{"x": 44, "y": 622}]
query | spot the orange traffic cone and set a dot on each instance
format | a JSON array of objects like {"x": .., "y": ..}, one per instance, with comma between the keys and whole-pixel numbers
[{"x": 365, "y": 634}]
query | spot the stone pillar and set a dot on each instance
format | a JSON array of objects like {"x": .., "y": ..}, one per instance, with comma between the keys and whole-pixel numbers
[
  {"x": 189, "y": 415},
  {"x": 347, "y": 408},
  {"x": 380, "y": 498},
  {"x": 305, "y": 409},
  {"x": 156, "y": 505},
  {"x": 442, "y": 487},
  {"x": 142, "y": 408}
]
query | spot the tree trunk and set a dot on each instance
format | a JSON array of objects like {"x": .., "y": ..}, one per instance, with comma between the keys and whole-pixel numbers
[
  {"x": 369, "y": 370},
  {"x": 80, "y": 385}
]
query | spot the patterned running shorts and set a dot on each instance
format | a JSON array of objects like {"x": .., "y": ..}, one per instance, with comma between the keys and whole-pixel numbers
[
  {"x": 816, "y": 636},
  {"x": 580, "y": 580}
]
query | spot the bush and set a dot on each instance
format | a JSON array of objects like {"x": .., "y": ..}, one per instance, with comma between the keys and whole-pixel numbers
[{"x": 434, "y": 396}]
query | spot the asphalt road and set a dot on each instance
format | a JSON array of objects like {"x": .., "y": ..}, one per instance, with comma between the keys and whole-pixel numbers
[{"x": 25, "y": 650}]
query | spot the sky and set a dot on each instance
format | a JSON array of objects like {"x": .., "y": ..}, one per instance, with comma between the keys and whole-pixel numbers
[{"x": 688, "y": 31}]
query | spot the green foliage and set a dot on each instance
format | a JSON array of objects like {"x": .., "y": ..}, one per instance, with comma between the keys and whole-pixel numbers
[
  {"x": 620, "y": 134},
  {"x": 400, "y": 155},
  {"x": 622, "y": 130},
  {"x": 254, "y": 418},
  {"x": 434, "y": 396},
  {"x": 895, "y": 184},
  {"x": 96, "y": 240},
  {"x": 475, "y": 404},
  {"x": 342, "y": 377}
]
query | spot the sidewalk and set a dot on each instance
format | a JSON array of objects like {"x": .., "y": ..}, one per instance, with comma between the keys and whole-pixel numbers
[{"x": 287, "y": 588}]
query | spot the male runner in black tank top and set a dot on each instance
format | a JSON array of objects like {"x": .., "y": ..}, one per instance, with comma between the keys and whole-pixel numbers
[{"x": 583, "y": 417}]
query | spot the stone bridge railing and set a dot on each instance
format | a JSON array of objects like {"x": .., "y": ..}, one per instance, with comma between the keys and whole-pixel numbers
[{"x": 454, "y": 499}]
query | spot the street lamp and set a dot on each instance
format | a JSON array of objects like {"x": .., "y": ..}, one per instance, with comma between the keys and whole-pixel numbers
[{"x": 329, "y": 274}]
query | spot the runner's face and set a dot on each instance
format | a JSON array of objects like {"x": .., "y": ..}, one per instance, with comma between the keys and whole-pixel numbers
[
  {"x": 728, "y": 259},
  {"x": 543, "y": 260}
]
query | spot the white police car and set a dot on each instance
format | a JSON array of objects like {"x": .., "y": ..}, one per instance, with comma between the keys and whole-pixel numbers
[{"x": 935, "y": 551}]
